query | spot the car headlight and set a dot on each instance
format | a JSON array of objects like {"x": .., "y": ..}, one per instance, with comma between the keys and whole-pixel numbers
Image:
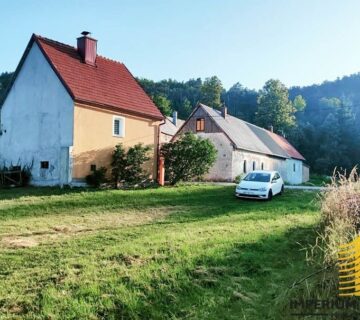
[{"x": 263, "y": 189}]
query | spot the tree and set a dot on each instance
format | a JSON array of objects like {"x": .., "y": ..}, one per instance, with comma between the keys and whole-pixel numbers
[
  {"x": 136, "y": 157},
  {"x": 299, "y": 103},
  {"x": 127, "y": 167},
  {"x": 329, "y": 104},
  {"x": 274, "y": 107},
  {"x": 188, "y": 157},
  {"x": 186, "y": 108},
  {"x": 5, "y": 79},
  {"x": 241, "y": 102},
  {"x": 211, "y": 92},
  {"x": 163, "y": 104},
  {"x": 118, "y": 164}
]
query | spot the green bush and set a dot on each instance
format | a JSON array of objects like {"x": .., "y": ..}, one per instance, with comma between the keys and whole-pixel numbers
[
  {"x": 239, "y": 178},
  {"x": 97, "y": 177},
  {"x": 127, "y": 166},
  {"x": 188, "y": 157}
]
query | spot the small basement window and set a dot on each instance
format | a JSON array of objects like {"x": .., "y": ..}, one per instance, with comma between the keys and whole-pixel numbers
[
  {"x": 44, "y": 164},
  {"x": 118, "y": 126},
  {"x": 93, "y": 167},
  {"x": 200, "y": 124}
]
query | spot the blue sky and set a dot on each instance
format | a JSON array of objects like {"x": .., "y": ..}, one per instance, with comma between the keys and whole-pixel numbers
[{"x": 299, "y": 42}]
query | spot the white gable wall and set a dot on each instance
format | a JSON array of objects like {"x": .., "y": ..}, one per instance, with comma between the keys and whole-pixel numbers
[{"x": 38, "y": 119}]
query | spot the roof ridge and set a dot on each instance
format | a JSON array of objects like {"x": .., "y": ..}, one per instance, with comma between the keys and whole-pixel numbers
[
  {"x": 108, "y": 59},
  {"x": 54, "y": 41},
  {"x": 73, "y": 47},
  {"x": 249, "y": 123}
]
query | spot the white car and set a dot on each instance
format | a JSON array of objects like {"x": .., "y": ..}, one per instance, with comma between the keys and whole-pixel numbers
[{"x": 260, "y": 184}]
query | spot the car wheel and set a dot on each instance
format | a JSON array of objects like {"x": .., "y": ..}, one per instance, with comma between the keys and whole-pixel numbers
[
  {"x": 270, "y": 195},
  {"x": 282, "y": 190}
]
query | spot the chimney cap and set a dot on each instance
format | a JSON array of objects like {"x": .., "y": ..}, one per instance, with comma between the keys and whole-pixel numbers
[{"x": 85, "y": 33}]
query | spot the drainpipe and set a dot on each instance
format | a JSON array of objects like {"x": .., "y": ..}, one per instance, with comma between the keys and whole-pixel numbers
[{"x": 160, "y": 161}]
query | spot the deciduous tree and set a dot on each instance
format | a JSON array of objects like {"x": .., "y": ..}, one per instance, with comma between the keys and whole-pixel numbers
[
  {"x": 211, "y": 92},
  {"x": 188, "y": 157},
  {"x": 274, "y": 107}
]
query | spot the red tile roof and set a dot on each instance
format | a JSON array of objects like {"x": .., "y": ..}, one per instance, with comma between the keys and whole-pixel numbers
[
  {"x": 284, "y": 144},
  {"x": 108, "y": 85}
]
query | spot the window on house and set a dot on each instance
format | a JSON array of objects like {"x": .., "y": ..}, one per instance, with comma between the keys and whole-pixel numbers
[
  {"x": 119, "y": 126},
  {"x": 262, "y": 165},
  {"x": 200, "y": 124},
  {"x": 254, "y": 165},
  {"x": 244, "y": 169},
  {"x": 294, "y": 167},
  {"x": 93, "y": 167},
  {"x": 44, "y": 164}
]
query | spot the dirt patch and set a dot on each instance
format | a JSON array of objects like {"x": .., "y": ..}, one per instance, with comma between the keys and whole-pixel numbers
[
  {"x": 129, "y": 260},
  {"x": 17, "y": 243},
  {"x": 45, "y": 230}
]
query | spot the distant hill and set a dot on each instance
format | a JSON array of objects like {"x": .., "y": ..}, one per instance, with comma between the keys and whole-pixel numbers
[{"x": 346, "y": 89}]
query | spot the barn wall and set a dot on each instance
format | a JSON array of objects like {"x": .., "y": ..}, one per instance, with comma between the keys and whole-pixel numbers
[
  {"x": 294, "y": 171},
  {"x": 222, "y": 168},
  {"x": 38, "y": 119},
  {"x": 269, "y": 163},
  {"x": 305, "y": 173}
]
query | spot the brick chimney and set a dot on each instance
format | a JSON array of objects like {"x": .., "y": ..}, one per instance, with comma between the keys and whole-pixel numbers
[
  {"x": 87, "y": 48},
  {"x": 224, "y": 111},
  {"x": 271, "y": 128}
]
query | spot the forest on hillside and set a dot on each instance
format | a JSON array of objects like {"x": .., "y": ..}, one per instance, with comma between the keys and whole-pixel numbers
[{"x": 322, "y": 121}]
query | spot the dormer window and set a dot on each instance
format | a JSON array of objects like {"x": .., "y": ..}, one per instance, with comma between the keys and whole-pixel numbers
[
  {"x": 200, "y": 124},
  {"x": 119, "y": 126}
]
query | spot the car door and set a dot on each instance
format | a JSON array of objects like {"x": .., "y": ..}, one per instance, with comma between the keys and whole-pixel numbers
[{"x": 277, "y": 184}]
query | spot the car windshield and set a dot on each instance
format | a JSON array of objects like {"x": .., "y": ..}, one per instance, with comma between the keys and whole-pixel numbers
[{"x": 257, "y": 176}]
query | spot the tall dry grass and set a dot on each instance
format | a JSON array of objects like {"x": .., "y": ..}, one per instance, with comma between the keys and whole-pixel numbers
[
  {"x": 340, "y": 214},
  {"x": 339, "y": 224}
]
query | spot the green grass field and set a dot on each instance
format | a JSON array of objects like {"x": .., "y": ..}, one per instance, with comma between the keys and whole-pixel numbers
[{"x": 189, "y": 252}]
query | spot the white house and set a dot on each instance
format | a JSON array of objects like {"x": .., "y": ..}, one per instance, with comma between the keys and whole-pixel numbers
[
  {"x": 243, "y": 147},
  {"x": 68, "y": 107}
]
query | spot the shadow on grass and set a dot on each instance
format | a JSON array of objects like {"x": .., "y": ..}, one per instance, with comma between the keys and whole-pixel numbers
[
  {"x": 17, "y": 193},
  {"x": 243, "y": 283},
  {"x": 188, "y": 203}
]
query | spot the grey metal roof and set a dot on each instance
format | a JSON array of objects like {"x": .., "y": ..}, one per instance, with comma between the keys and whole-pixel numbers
[
  {"x": 169, "y": 128},
  {"x": 250, "y": 137}
]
